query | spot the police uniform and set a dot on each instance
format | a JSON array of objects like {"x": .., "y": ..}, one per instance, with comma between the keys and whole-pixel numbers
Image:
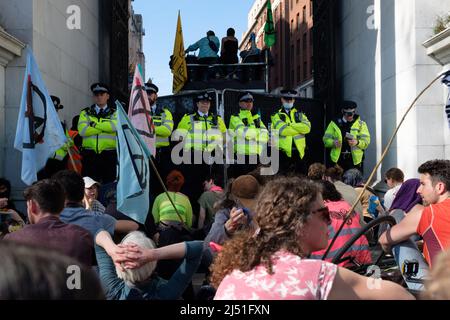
[
  {"x": 341, "y": 130},
  {"x": 163, "y": 121},
  {"x": 250, "y": 137},
  {"x": 98, "y": 128},
  {"x": 203, "y": 139},
  {"x": 290, "y": 128}
]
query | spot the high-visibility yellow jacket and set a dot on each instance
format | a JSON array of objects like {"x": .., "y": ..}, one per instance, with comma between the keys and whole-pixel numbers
[
  {"x": 163, "y": 121},
  {"x": 359, "y": 130},
  {"x": 202, "y": 134},
  {"x": 61, "y": 153},
  {"x": 250, "y": 133},
  {"x": 291, "y": 129},
  {"x": 98, "y": 133}
]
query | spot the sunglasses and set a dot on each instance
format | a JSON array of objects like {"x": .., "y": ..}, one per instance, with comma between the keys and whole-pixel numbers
[{"x": 324, "y": 214}]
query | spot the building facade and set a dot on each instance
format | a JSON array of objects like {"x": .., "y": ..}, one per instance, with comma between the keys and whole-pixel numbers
[
  {"x": 292, "y": 52},
  {"x": 136, "y": 43},
  {"x": 75, "y": 44}
]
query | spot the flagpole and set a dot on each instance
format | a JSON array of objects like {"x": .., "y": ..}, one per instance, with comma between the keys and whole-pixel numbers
[{"x": 366, "y": 185}]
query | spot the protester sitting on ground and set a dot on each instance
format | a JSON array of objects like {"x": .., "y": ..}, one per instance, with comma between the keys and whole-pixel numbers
[
  {"x": 211, "y": 195},
  {"x": 75, "y": 213},
  {"x": 34, "y": 273},
  {"x": 45, "y": 201},
  {"x": 433, "y": 222},
  {"x": 394, "y": 178},
  {"x": 10, "y": 219},
  {"x": 136, "y": 280},
  {"x": 272, "y": 263},
  {"x": 334, "y": 175},
  {"x": 438, "y": 285},
  {"x": 407, "y": 198},
  {"x": 316, "y": 171},
  {"x": 91, "y": 189},
  {"x": 164, "y": 213},
  {"x": 235, "y": 211},
  {"x": 354, "y": 178},
  {"x": 338, "y": 207}
]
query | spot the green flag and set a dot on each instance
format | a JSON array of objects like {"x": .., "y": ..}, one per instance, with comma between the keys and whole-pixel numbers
[{"x": 269, "y": 28}]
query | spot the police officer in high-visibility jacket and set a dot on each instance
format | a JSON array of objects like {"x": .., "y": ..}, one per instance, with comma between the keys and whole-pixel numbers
[
  {"x": 98, "y": 128},
  {"x": 163, "y": 121},
  {"x": 347, "y": 137},
  {"x": 289, "y": 127},
  {"x": 203, "y": 135},
  {"x": 250, "y": 136}
]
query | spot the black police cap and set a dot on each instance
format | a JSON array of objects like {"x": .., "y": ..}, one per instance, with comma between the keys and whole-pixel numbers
[
  {"x": 202, "y": 97},
  {"x": 245, "y": 96},
  {"x": 150, "y": 87},
  {"x": 57, "y": 102},
  {"x": 99, "y": 87},
  {"x": 289, "y": 94},
  {"x": 348, "y": 105}
]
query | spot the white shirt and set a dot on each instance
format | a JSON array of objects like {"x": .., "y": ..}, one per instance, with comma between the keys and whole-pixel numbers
[
  {"x": 97, "y": 108},
  {"x": 202, "y": 114},
  {"x": 153, "y": 108},
  {"x": 390, "y": 196}
]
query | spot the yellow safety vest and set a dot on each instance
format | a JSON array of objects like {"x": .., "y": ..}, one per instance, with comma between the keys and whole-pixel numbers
[
  {"x": 250, "y": 133},
  {"x": 61, "y": 153},
  {"x": 290, "y": 130},
  {"x": 163, "y": 121},
  {"x": 98, "y": 133},
  {"x": 202, "y": 134},
  {"x": 361, "y": 133}
]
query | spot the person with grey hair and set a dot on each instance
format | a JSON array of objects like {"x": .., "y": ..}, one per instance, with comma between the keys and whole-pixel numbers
[{"x": 134, "y": 278}]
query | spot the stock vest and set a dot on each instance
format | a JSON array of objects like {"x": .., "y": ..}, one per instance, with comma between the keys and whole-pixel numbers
[
  {"x": 163, "y": 121},
  {"x": 250, "y": 133},
  {"x": 359, "y": 130},
  {"x": 202, "y": 134},
  {"x": 291, "y": 129},
  {"x": 98, "y": 133}
]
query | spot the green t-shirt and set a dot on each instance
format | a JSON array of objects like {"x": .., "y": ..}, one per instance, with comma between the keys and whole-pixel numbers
[
  {"x": 163, "y": 209},
  {"x": 207, "y": 201}
]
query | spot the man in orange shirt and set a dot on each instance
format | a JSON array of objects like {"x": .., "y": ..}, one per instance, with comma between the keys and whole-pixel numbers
[{"x": 433, "y": 223}]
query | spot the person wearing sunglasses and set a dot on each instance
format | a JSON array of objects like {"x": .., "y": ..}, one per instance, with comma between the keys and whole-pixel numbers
[
  {"x": 272, "y": 263},
  {"x": 347, "y": 137}
]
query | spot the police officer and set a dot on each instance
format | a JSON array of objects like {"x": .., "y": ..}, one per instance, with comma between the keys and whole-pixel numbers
[
  {"x": 290, "y": 127},
  {"x": 203, "y": 138},
  {"x": 163, "y": 121},
  {"x": 250, "y": 136},
  {"x": 98, "y": 128},
  {"x": 347, "y": 137}
]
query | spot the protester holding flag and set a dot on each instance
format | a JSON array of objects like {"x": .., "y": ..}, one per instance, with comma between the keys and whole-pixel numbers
[{"x": 39, "y": 132}]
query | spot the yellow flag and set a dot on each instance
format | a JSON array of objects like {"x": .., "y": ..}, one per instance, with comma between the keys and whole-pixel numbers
[{"x": 178, "y": 65}]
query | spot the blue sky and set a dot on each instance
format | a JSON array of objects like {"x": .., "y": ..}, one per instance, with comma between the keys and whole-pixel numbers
[{"x": 197, "y": 17}]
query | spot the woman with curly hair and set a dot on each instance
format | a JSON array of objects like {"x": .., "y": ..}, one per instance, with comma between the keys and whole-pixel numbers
[{"x": 272, "y": 263}]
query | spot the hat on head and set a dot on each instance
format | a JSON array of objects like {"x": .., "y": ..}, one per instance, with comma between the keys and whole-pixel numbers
[
  {"x": 245, "y": 96},
  {"x": 246, "y": 189},
  {"x": 151, "y": 88},
  {"x": 202, "y": 97},
  {"x": 57, "y": 102},
  {"x": 348, "y": 105},
  {"x": 99, "y": 87},
  {"x": 288, "y": 94},
  {"x": 89, "y": 182}
]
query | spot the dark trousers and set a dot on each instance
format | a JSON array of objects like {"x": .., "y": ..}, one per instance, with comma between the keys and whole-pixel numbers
[
  {"x": 293, "y": 165},
  {"x": 240, "y": 169},
  {"x": 346, "y": 162},
  {"x": 101, "y": 167}
]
